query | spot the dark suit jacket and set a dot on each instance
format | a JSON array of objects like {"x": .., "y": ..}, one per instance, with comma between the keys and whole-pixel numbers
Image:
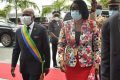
[
  {"x": 55, "y": 27},
  {"x": 27, "y": 62},
  {"x": 110, "y": 65}
]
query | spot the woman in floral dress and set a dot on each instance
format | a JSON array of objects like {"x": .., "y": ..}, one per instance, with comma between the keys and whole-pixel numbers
[{"x": 78, "y": 51}]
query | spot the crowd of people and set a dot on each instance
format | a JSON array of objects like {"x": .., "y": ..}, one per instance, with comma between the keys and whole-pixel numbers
[{"x": 86, "y": 45}]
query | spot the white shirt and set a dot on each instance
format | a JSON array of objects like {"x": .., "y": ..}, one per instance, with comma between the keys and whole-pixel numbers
[{"x": 31, "y": 27}]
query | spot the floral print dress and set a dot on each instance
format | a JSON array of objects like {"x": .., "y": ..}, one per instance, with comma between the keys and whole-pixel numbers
[{"x": 88, "y": 50}]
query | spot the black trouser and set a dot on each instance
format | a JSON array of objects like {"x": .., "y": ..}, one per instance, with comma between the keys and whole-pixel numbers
[
  {"x": 30, "y": 77},
  {"x": 54, "y": 50}
]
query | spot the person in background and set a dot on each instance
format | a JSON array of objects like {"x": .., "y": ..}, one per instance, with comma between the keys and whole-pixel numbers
[
  {"x": 96, "y": 15},
  {"x": 45, "y": 23},
  {"x": 32, "y": 43},
  {"x": 93, "y": 9},
  {"x": 98, "y": 10},
  {"x": 113, "y": 7},
  {"x": 54, "y": 30},
  {"x": 99, "y": 18},
  {"x": 78, "y": 51},
  {"x": 110, "y": 55}
]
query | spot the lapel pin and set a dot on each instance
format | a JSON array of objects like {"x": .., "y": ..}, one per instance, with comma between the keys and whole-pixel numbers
[{"x": 34, "y": 28}]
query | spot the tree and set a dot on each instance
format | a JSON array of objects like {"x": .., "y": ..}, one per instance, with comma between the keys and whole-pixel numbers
[
  {"x": 2, "y": 13},
  {"x": 19, "y": 4},
  {"x": 56, "y": 5},
  {"x": 46, "y": 10},
  {"x": 60, "y": 5},
  {"x": 22, "y": 4},
  {"x": 104, "y": 3}
]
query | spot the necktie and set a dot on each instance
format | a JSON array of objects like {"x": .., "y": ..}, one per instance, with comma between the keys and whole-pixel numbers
[{"x": 28, "y": 28}]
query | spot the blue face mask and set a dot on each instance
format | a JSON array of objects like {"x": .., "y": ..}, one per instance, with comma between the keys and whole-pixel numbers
[
  {"x": 76, "y": 15},
  {"x": 112, "y": 12},
  {"x": 98, "y": 12}
]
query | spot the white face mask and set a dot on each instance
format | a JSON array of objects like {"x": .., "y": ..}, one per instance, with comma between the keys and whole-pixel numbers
[
  {"x": 57, "y": 18},
  {"x": 26, "y": 20},
  {"x": 112, "y": 12},
  {"x": 76, "y": 15},
  {"x": 98, "y": 12}
]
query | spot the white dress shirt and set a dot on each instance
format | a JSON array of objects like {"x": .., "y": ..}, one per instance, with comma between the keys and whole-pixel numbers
[{"x": 31, "y": 27}]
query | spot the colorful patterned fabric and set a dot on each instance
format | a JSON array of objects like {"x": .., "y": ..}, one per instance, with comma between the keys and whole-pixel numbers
[{"x": 88, "y": 49}]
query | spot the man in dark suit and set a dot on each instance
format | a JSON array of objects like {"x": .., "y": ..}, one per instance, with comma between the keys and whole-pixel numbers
[
  {"x": 54, "y": 29},
  {"x": 30, "y": 68},
  {"x": 110, "y": 64}
]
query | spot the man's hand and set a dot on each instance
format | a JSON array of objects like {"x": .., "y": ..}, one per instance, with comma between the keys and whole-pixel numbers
[
  {"x": 46, "y": 71},
  {"x": 13, "y": 71},
  {"x": 42, "y": 76},
  {"x": 53, "y": 35}
]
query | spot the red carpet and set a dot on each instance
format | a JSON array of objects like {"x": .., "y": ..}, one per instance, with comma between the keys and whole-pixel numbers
[{"x": 54, "y": 74}]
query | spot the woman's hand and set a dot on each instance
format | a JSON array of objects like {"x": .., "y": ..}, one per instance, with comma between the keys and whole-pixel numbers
[
  {"x": 62, "y": 66},
  {"x": 97, "y": 67}
]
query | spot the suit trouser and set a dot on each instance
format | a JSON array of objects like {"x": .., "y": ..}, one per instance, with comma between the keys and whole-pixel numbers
[
  {"x": 30, "y": 77},
  {"x": 54, "y": 50}
]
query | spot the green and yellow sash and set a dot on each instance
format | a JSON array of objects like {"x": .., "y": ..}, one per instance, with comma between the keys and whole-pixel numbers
[{"x": 31, "y": 45}]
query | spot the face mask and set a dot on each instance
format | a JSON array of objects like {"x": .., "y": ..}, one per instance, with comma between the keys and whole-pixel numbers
[
  {"x": 57, "y": 18},
  {"x": 76, "y": 15},
  {"x": 26, "y": 20},
  {"x": 112, "y": 12},
  {"x": 98, "y": 12}
]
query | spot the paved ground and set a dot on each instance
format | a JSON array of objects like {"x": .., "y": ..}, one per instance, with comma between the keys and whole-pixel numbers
[
  {"x": 6, "y": 54},
  {"x": 3, "y": 54}
]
